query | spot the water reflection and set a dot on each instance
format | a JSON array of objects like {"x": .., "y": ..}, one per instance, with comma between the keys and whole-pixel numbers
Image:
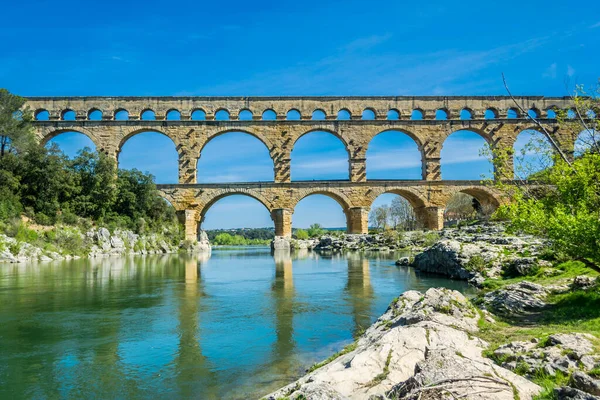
[{"x": 236, "y": 324}]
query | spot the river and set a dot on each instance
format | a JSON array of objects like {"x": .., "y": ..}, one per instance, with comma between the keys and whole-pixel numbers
[{"x": 235, "y": 325}]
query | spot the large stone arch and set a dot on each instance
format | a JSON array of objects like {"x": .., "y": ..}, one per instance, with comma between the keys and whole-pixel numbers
[
  {"x": 129, "y": 133},
  {"x": 415, "y": 138},
  {"x": 416, "y": 199},
  {"x": 486, "y": 196},
  {"x": 335, "y": 133},
  {"x": 258, "y": 135},
  {"x": 336, "y": 195},
  {"x": 45, "y": 137},
  {"x": 222, "y": 193}
]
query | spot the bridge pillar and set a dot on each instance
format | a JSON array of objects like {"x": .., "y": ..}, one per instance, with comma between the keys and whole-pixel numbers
[
  {"x": 187, "y": 167},
  {"x": 503, "y": 158},
  {"x": 431, "y": 169},
  {"x": 282, "y": 217},
  {"x": 357, "y": 220},
  {"x": 358, "y": 169},
  {"x": 282, "y": 170},
  {"x": 430, "y": 217},
  {"x": 189, "y": 220}
]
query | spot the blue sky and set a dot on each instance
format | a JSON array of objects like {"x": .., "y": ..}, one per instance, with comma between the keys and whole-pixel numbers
[{"x": 296, "y": 48}]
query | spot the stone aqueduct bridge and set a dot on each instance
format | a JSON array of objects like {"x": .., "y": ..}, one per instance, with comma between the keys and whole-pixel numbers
[{"x": 428, "y": 196}]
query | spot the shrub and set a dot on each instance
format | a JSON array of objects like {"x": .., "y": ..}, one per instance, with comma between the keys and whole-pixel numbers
[
  {"x": 301, "y": 234},
  {"x": 43, "y": 219}
]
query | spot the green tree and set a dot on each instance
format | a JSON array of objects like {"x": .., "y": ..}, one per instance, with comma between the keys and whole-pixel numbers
[
  {"x": 15, "y": 127},
  {"x": 379, "y": 216},
  {"x": 301, "y": 234},
  {"x": 315, "y": 230}
]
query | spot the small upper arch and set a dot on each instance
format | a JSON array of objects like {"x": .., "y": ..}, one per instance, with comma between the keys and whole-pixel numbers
[
  {"x": 369, "y": 114},
  {"x": 534, "y": 113},
  {"x": 68, "y": 115},
  {"x": 198, "y": 114},
  {"x": 41, "y": 114},
  {"x": 269, "y": 115},
  {"x": 94, "y": 114},
  {"x": 293, "y": 115},
  {"x": 442, "y": 114},
  {"x": 393, "y": 114},
  {"x": 173, "y": 115},
  {"x": 513, "y": 113},
  {"x": 491, "y": 113},
  {"x": 222, "y": 114},
  {"x": 147, "y": 115},
  {"x": 344, "y": 114},
  {"x": 417, "y": 114},
  {"x": 319, "y": 115},
  {"x": 121, "y": 114},
  {"x": 466, "y": 114},
  {"x": 245, "y": 115}
]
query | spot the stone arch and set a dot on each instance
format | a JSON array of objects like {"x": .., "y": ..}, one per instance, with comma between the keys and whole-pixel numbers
[
  {"x": 336, "y": 195},
  {"x": 344, "y": 114},
  {"x": 245, "y": 114},
  {"x": 124, "y": 113},
  {"x": 65, "y": 115},
  {"x": 41, "y": 112},
  {"x": 257, "y": 135},
  {"x": 415, "y": 199},
  {"x": 51, "y": 135},
  {"x": 491, "y": 113},
  {"x": 319, "y": 114},
  {"x": 417, "y": 114},
  {"x": 222, "y": 112},
  {"x": 369, "y": 114},
  {"x": 331, "y": 131},
  {"x": 409, "y": 134},
  {"x": 442, "y": 114},
  {"x": 173, "y": 114},
  {"x": 393, "y": 114},
  {"x": 488, "y": 198},
  {"x": 466, "y": 114},
  {"x": 92, "y": 112},
  {"x": 451, "y": 166},
  {"x": 147, "y": 114},
  {"x": 269, "y": 115},
  {"x": 222, "y": 193},
  {"x": 293, "y": 114},
  {"x": 198, "y": 114},
  {"x": 137, "y": 131}
]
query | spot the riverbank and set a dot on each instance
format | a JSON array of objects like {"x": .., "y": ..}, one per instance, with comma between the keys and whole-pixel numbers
[
  {"x": 530, "y": 333},
  {"x": 66, "y": 242}
]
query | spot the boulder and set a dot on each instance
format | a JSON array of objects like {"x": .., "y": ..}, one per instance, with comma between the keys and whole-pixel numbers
[
  {"x": 403, "y": 262},
  {"x": 280, "y": 243},
  {"x": 447, "y": 257},
  {"x": 517, "y": 298},
  {"x": 569, "y": 393},
  {"x": 583, "y": 282},
  {"x": 422, "y": 338},
  {"x": 586, "y": 383}
]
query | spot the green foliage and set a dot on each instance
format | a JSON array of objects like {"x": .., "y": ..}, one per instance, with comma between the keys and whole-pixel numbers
[
  {"x": 315, "y": 230},
  {"x": 263, "y": 234},
  {"x": 476, "y": 264},
  {"x": 301, "y": 234},
  {"x": 567, "y": 213},
  {"x": 225, "y": 239}
]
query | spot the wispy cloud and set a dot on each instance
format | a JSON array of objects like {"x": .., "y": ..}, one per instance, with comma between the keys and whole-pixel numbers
[
  {"x": 596, "y": 25},
  {"x": 570, "y": 71},
  {"x": 550, "y": 71}
]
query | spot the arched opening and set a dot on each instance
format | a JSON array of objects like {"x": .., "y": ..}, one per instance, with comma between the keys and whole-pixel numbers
[
  {"x": 151, "y": 152},
  {"x": 550, "y": 114},
  {"x": 319, "y": 212},
  {"x": 512, "y": 113},
  {"x": 344, "y": 115},
  {"x": 68, "y": 115},
  {"x": 269, "y": 115},
  {"x": 532, "y": 154},
  {"x": 71, "y": 143},
  {"x": 533, "y": 113},
  {"x": 173, "y": 115},
  {"x": 416, "y": 115},
  {"x": 368, "y": 114},
  {"x": 393, "y": 155},
  {"x": 198, "y": 115},
  {"x": 465, "y": 155},
  {"x": 293, "y": 115},
  {"x": 121, "y": 115},
  {"x": 235, "y": 211},
  {"x": 222, "y": 115},
  {"x": 591, "y": 114},
  {"x": 490, "y": 113},
  {"x": 441, "y": 114},
  {"x": 95, "y": 115},
  {"x": 319, "y": 115},
  {"x": 466, "y": 114},
  {"x": 148, "y": 115},
  {"x": 587, "y": 140},
  {"x": 319, "y": 155},
  {"x": 245, "y": 115},
  {"x": 42, "y": 115},
  {"x": 571, "y": 114},
  {"x": 246, "y": 159},
  {"x": 393, "y": 115},
  {"x": 469, "y": 205},
  {"x": 393, "y": 211}
]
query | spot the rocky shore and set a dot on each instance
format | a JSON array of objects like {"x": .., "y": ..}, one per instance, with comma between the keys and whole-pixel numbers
[
  {"x": 98, "y": 242},
  {"x": 441, "y": 345}
]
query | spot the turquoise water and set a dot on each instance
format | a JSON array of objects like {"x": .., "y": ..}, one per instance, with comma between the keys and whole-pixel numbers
[{"x": 235, "y": 325}]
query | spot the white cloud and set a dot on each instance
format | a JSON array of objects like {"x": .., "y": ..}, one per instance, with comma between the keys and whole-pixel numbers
[
  {"x": 551, "y": 71},
  {"x": 570, "y": 71},
  {"x": 596, "y": 25}
]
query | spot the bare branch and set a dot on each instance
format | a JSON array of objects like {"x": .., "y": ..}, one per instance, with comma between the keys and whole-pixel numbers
[{"x": 539, "y": 125}]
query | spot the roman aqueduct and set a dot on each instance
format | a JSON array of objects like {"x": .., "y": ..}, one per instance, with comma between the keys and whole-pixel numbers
[{"x": 191, "y": 122}]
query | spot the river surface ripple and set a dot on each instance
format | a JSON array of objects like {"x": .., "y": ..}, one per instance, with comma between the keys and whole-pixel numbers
[{"x": 235, "y": 325}]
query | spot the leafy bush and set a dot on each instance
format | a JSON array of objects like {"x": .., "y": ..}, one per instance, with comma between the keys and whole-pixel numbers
[
  {"x": 43, "y": 219},
  {"x": 301, "y": 234},
  {"x": 316, "y": 230}
]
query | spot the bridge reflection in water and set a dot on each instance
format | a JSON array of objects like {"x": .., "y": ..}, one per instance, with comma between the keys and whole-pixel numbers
[{"x": 233, "y": 326}]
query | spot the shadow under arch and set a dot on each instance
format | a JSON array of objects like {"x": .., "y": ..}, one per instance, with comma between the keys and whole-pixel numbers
[{"x": 484, "y": 196}]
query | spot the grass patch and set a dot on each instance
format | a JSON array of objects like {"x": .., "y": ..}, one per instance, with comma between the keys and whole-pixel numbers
[
  {"x": 384, "y": 374},
  {"x": 345, "y": 350}
]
